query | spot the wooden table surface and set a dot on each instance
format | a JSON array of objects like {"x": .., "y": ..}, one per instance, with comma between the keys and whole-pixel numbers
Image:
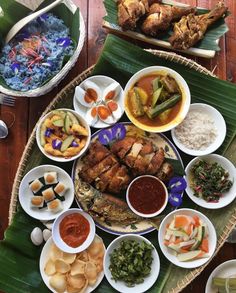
[{"x": 27, "y": 110}]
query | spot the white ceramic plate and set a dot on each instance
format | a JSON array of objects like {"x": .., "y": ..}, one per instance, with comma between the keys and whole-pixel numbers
[
  {"x": 56, "y": 233},
  {"x": 102, "y": 82},
  {"x": 62, "y": 159},
  {"x": 219, "y": 123},
  {"x": 25, "y": 193},
  {"x": 228, "y": 197},
  {"x": 120, "y": 285},
  {"x": 43, "y": 261},
  {"x": 169, "y": 254},
  {"x": 224, "y": 270}
]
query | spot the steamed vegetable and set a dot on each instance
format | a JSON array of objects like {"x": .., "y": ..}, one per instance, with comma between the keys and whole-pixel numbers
[{"x": 131, "y": 262}]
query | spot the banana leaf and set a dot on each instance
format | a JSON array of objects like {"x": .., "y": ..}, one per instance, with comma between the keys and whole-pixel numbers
[
  {"x": 217, "y": 30},
  {"x": 14, "y": 11},
  {"x": 120, "y": 60}
]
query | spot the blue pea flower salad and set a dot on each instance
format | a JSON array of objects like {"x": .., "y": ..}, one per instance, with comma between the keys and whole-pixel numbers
[{"x": 36, "y": 53}]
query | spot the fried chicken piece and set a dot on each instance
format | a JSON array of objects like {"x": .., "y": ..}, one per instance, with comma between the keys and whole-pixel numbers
[
  {"x": 105, "y": 178},
  {"x": 191, "y": 28},
  {"x": 161, "y": 16},
  {"x": 130, "y": 159},
  {"x": 90, "y": 174},
  {"x": 120, "y": 181},
  {"x": 156, "y": 162},
  {"x": 166, "y": 172},
  {"x": 122, "y": 147},
  {"x": 130, "y": 11},
  {"x": 97, "y": 152}
]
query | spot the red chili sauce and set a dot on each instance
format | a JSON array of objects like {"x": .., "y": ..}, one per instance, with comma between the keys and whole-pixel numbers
[
  {"x": 74, "y": 229},
  {"x": 147, "y": 195}
]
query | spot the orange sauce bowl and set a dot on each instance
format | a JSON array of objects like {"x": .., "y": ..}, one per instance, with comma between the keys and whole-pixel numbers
[
  {"x": 147, "y": 196},
  {"x": 73, "y": 231},
  {"x": 179, "y": 111}
]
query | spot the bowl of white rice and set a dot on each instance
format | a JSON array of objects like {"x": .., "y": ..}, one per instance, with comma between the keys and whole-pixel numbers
[{"x": 202, "y": 132}]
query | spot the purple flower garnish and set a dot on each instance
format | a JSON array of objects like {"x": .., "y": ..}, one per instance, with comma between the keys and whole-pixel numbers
[
  {"x": 74, "y": 144},
  {"x": 63, "y": 42},
  {"x": 56, "y": 144},
  {"x": 15, "y": 67},
  {"x": 48, "y": 132},
  {"x": 175, "y": 199},
  {"x": 42, "y": 18},
  {"x": 23, "y": 34},
  {"x": 105, "y": 136},
  {"x": 118, "y": 131},
  {"x": 177, "y": 184}
]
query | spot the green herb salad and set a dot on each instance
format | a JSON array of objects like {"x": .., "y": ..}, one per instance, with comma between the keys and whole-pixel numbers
[{"x": 131, "y": 262}]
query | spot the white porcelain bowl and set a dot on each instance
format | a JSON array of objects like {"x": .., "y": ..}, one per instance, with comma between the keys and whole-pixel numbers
[
  {"x": 57, "y": 237},
  {"x": 120, "y": 285},
  {"x": 169, "y": 254},
  {"x": 102, "y": 82},
  {"x": 185, "y": 96},
  {"x": 220, "y": 126},
  {"x": 228, "y": 197},
  {"x": 225, "y": 270},
  {"x": 142, "y": 214},
  {"x": 25, "y": 193},
  {"x": 62, "y": 159}
]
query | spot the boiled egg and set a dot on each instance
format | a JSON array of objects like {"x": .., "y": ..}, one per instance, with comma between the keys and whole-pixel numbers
[
  {"x": 88, "y": 95},
  {"x": 115, "y": 109},
  {"x": 111, "y": 91},
  {"x": 105, "y": 114},
  {"x": 92, "y": 116}
]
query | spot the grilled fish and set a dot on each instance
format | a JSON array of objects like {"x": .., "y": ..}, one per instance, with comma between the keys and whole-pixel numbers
[{"x": 104, "y": 207}]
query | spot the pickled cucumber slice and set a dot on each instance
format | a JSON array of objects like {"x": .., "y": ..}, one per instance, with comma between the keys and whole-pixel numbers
[{"x": 66, "y": 143}]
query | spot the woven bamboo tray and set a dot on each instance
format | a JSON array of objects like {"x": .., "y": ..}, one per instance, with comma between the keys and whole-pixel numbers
[{"x": 53, "y": 105}]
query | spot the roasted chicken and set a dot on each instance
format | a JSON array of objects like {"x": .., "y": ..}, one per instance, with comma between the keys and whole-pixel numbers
[
  {"x": 112, "y": 170},
  {"x": 191, "y": 28},
  {"x": 161, "y": 16},
  {"x": 102, "y": 168},
  {"x": 130, "y": 11}
]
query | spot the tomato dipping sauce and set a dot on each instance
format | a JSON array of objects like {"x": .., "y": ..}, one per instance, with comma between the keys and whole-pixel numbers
[
  {"x": 74, "y": 229},
  {"x": 147, "y": 195}
]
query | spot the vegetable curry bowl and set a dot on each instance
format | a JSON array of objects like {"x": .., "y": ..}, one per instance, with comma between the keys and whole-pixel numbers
[{"x": 156, "y": 99}]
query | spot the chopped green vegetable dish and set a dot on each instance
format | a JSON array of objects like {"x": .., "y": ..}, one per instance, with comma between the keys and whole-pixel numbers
[
  {"x": 225, "y": 285},
  {"x": 131, "y": 262},
  {"x": 210, "y": 181}
]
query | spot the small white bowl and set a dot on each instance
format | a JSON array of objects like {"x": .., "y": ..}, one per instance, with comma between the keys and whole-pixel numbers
[
  {"x": 224, "y": 270},
  {"x": 44, "y": 256},
  {"x": 219, "y": 123},
  {"x": 57, "y": 237},
  {"x": 120, "y": 285},
  {"x": 139, "y": 213},
  {"x": 62, "y": 159},
  {"x": 102, "y": 82},
  {"x": 25, "y": 193},
  {"x": 185, "y": 94},
  {"x": 169, "y": 254},
  {"x": 228, "y": 197}
]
